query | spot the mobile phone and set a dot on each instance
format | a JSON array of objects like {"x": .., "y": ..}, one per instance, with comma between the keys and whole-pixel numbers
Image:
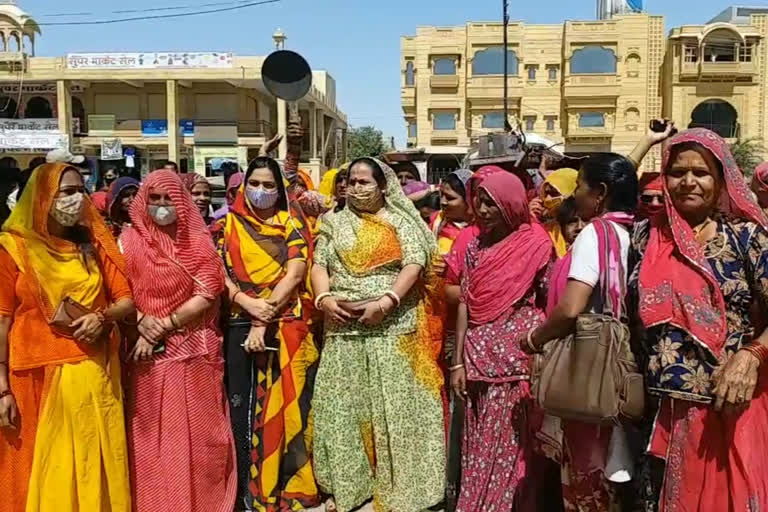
[
  {"x": 159, "y": 348},
  {"x": 661, "y": 126}
]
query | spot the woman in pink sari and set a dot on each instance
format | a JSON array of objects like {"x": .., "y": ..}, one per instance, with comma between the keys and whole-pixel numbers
[
  {"x": 180, "y": 440},
  {"x": 702, "y": 268},
  {"x": 503, "y": 291}
]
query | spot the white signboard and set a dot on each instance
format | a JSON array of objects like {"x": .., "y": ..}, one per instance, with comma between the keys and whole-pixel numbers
[
  {"x": 46, "y": 88},
  {"x": 33, "y": 140},
  {"x": 35, "y": 125},
  {"x": 155, "y": 60}
]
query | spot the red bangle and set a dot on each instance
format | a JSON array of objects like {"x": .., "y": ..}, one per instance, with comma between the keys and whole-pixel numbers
[{"x": 758, "y": 350}]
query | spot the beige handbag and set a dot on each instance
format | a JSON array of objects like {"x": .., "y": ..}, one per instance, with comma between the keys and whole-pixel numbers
[{"x": 592, "y": 375}]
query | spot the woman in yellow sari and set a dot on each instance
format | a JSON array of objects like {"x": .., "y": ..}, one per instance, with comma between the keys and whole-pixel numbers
[
  {"x": 62, "y": 441},
  {"x": 270, "y": 351},
  {"x": 559, "y": 186}
]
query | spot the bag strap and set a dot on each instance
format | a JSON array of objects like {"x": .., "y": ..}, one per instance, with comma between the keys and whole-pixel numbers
[{"x": 605, "y": 232}]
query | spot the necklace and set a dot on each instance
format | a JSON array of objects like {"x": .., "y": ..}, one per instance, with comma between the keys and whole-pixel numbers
[{"x": 697, "y": 230}]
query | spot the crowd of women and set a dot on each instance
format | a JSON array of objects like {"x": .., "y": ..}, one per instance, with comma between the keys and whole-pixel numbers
[{"x": 358, "y": 344}]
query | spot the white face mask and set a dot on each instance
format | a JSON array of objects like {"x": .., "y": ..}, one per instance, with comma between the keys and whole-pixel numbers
[
  {"x": 162, "y": 215},
  {"x": 68, "y": 210}
]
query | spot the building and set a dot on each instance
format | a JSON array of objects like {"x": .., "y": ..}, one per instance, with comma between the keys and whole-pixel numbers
[
  {"x": 197, "y": 108},
  {"x": 606, "y": 9},
  {"x": 589, "y": 85},
  {"x": 584, "y": 84}
]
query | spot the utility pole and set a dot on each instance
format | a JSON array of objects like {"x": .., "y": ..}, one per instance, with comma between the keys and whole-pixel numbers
[{"x": 505, "y": 24}]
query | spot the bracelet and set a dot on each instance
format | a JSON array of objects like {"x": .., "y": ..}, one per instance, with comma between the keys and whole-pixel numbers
[
  {"x": 394, "y": 296},
  {"x": 319, "y": 299},
  {"x": 529, "y": 342},
  {"x": 455, "y": 367},
  {"x": 758, "y": 350},
  {"x": 234, "y": 296},
  {"x": 6, "y": 393},
  {"x": 175, "y": 321}
]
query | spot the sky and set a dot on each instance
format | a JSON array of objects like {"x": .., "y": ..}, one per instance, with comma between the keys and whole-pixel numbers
[{"x": 357, "y": 41}]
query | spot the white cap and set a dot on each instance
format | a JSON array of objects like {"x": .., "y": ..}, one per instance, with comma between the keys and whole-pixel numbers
[{"x": 62, "y": 155}]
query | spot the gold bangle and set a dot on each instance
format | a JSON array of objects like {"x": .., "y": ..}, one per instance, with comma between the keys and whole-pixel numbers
[{"x": 456, "y": 367}]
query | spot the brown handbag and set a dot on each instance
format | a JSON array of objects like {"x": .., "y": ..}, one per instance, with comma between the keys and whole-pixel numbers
[
  {"x": 68, "y": 311},
  {"x": 592, "y": 375}
]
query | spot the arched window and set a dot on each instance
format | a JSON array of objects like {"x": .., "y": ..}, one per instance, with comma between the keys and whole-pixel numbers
[
  {"x": 9, "y": 109},
  {"x": 591, "y": 120},
  {"x": 593, "y": 60},
  {"x": 409, "y": 74},
  {"x": 632, "y": 115},
  {"x": 27, "y": 46},
  {"x": 633, "y": 65},
  {"x": 494, "y": 120},
  {"x": 721, "y": 45},
  {"x": 14, "y": 44},
  {"x": 38, "y": 108},
  {"x": 718, "y": 116},
  {"x": 444, "y": 66},
  {"x": 491, "y": 62}
]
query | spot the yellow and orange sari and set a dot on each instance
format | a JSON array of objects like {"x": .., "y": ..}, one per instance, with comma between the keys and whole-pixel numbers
[{"x": 68, "y": 452}]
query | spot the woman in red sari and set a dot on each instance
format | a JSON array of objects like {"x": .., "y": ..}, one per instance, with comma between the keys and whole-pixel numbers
[
  {"x": 707, "y": 361},
  {"x": 503, "y": 294},
  {"x": 180, "y": 441}
]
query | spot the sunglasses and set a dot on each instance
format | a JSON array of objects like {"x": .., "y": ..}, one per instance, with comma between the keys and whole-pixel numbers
[{"x": 651, "y": 198}]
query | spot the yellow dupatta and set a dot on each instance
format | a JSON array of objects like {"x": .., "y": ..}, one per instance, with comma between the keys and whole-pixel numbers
[
  {"x": 564, "y": 181},
  {"x": 55, "y": 266}
]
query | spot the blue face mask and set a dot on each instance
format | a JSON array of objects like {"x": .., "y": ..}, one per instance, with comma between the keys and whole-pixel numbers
[{"x": 261, "y": 198}]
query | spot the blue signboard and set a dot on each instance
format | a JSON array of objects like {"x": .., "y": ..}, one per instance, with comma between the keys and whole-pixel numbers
[{"x": 159, "y": 127}]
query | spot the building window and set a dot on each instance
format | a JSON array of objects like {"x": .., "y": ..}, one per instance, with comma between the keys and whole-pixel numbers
[
  {"x": 691, "y": 53},
  {"x": 593, "y": 60},
  {"x": 552, "y": 73},
  {"x": 444, "y": 121},
  {"x": 493, "y": 120},
  {"x": 444, "y": 66},
  {"x": 409, "y": 74},
  {"x": 38, "y": 108},
  {"x": 721, "y": 45},
  {"x": 592, "y": 120},
  {"x": 491, "y": 62},
  {"x": 530, "y": 123},
  {"x": 532, "y": 73},
  {"x": 9, "y": 109},
  {"x": 411, "y": 129},
  {"x": 551, "y": 123},
  {"x": 745, "y": 53}
]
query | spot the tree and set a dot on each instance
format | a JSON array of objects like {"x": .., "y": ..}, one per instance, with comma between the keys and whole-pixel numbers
[
  {"x": 365, "y": 141},
  {"x": 748, "y": 153}
]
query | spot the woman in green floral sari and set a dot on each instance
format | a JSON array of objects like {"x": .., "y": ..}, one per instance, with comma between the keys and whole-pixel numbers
[{"x": 379, "y": 431}]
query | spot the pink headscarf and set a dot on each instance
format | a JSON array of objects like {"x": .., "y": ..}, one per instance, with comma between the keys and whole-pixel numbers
[
  {"x": 677, "y": 285},
  {"x": 760, "y": 181},
  {"x": 454, "y": 260},
  {"x": 506, "y": 271}
]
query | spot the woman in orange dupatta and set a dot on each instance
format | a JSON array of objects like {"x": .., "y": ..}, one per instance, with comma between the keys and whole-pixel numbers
[
  {"x": 270, "y": 350},
  {"x": 62, "y": 441}
]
